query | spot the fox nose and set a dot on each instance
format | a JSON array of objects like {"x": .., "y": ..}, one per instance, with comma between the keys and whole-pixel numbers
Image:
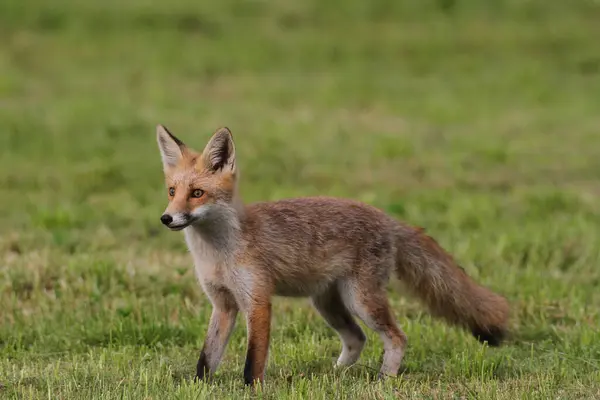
[{"x": 166, "y": 219}]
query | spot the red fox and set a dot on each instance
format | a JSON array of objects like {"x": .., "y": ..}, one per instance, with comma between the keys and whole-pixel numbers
[{"x": 338, "y": 252}]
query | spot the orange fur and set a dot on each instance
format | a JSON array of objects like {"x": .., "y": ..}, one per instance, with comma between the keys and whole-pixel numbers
[
  {"x": 259, "y": 322},
  {"x": 339, "y": 252}
]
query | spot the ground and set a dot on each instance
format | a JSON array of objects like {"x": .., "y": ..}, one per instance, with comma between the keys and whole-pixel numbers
[{"x": 476, "y": 121}]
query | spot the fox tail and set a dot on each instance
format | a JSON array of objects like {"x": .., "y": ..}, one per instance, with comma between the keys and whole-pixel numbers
[{"x": 447, "y": 290}]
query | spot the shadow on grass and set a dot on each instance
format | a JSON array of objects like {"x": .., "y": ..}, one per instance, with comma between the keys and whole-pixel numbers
[{"x": 299, "y": 372}]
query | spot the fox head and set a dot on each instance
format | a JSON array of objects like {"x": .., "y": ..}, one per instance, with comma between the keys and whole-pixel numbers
[{"x": 201, "y": 187}]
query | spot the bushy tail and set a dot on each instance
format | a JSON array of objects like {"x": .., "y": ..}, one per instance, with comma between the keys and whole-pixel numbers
[{"x": 447, "y": 290}]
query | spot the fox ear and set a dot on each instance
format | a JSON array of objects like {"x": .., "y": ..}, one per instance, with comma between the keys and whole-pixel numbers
[
  {"x": 171, "y": 148},
  {"x": 219, "y": 153}
]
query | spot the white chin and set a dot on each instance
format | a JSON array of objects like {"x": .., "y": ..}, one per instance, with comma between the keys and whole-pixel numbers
[{"x": 178, "y": 227}]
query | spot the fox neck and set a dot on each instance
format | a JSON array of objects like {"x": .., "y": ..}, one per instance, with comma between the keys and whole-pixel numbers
[
  {"x": 217, "y": 236},
  {"x": 238, "y": 205}
]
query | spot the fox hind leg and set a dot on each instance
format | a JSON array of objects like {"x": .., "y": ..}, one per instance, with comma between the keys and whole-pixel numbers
[
  {"x": 371, "y": 305},
  {"x": 331, "y": 307}
]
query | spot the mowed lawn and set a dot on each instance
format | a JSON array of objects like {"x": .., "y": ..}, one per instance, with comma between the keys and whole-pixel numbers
[{"x": 477, "y": 121}]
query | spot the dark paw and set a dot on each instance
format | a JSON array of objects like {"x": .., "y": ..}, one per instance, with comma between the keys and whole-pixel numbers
[
  {"x": 201, "y": 368},
  {"x": 249, "y": 381}
]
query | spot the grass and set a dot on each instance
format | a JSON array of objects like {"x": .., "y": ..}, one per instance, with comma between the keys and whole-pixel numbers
[{"x": 477, "y": 121}]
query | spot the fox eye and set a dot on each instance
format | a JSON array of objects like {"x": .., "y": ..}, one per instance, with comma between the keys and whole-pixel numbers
[
  {"x": 171, "y": 191},
  {"x": 197, "y": 193}
]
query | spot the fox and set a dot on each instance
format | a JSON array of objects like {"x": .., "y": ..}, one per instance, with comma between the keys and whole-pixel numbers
[{"x": 341, "y": 253}]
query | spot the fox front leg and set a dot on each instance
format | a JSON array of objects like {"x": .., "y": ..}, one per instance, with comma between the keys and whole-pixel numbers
[
  {"x": 220, "y": 327},
  {"x": 259, "y": 332}
]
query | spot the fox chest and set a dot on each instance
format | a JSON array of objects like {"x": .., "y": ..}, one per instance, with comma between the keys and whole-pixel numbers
[{"x": 208, "y": 270}]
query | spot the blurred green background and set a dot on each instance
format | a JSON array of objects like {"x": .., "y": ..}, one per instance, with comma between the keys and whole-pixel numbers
[{"x": 476, "y": 120}]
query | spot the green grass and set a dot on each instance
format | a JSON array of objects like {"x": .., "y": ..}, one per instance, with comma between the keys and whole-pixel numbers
[{"x": 477, "y": 121}]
